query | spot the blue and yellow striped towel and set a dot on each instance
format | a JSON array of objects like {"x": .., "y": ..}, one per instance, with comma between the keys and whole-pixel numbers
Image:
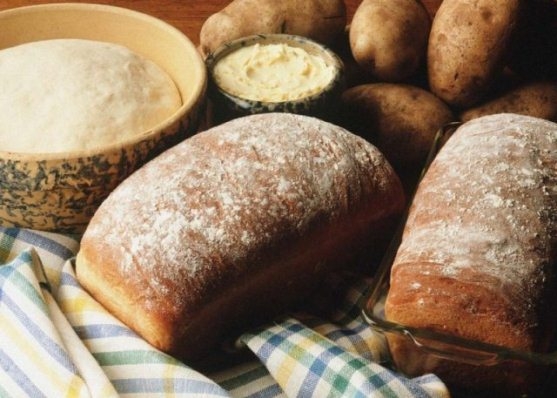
[{"x": 56, "y": 341}]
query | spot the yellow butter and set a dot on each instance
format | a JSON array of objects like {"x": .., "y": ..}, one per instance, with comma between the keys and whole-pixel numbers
[{"x": 272, "y": 73}]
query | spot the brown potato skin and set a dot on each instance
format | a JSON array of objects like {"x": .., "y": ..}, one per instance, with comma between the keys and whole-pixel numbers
[
  {"x": 468, "y": 43},
  {"x": 432, "y": 6},
  {"x": 400, "y": 119},
  {"x": 388, "y": 38},
  {"x": 323, "y": 21},
  {"x": 538, "y": 99}
]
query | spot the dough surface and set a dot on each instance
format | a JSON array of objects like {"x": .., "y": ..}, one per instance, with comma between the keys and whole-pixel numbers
[{"x": 67, "y": 95}]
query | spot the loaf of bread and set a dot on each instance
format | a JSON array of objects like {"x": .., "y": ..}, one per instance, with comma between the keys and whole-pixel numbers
[
  {"x": 233, "y": 226},
  {"x": 479, "y": 249}
]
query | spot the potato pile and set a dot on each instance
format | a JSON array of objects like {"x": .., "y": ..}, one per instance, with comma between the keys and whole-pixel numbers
[
  {"x": 413, "y": 66},
  {"x": 477, "y": 57},
  {"x": 320, "y": 20}
]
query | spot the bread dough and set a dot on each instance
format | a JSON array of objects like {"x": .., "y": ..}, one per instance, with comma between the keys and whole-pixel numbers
[{"x": 67, "y": 95}]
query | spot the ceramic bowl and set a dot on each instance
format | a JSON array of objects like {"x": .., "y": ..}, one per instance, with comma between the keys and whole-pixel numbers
[
  {"x": 61, "y": 191},
  {"x": 227, "y": 105}
]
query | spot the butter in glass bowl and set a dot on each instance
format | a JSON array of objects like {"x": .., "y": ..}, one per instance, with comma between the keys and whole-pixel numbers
[{"x": 274, "y": 73}]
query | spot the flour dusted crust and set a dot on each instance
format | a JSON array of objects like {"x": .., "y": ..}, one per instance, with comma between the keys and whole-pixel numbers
[
  {"x": 479, "y": 249},
  {"x": 67, "y": 95},
  {"x": 233, "y": 225}
]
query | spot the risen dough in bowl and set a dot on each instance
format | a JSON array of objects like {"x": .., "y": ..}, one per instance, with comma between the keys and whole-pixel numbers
[{"x": 65, "y": 95}]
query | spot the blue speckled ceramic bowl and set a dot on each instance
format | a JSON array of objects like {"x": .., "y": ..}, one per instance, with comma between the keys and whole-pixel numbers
[
  {"x": 60, "y": 192},
  {"x": 322, "y": 104}
]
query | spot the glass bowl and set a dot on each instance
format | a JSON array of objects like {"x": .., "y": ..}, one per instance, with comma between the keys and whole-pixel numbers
[{"x": 265, "y": 78}]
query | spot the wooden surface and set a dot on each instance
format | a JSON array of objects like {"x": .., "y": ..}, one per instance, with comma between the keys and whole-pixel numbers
[{"x": 186, "y": 15}]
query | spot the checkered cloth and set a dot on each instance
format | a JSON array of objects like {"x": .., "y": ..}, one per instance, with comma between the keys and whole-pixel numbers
[
  {"x": 55, "y": 340},
  {"x": 306, "y": 364}
]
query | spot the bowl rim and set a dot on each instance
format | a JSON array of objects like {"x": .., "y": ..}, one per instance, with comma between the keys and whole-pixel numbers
[
  {"x": 230, "y": 46},
  {"x": 192, "y": 102}
]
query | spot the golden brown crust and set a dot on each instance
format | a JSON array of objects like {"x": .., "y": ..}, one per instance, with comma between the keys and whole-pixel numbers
[
  {"x": 235, "y": 224},
  {"x": 477, "y": 254},
  {"x": 112, "y": 294}
]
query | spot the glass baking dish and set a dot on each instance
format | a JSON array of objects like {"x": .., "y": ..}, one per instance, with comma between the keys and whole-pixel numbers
[
  {"x": 436, "y": 343},
  {"x": 427, "y": 344}
]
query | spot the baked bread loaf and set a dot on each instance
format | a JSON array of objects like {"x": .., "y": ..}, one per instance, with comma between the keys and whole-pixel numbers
[
  {"x": 479, "y": 249},
  {"x": 234, "y": 225},
  {"x": 65, "y": 95}
]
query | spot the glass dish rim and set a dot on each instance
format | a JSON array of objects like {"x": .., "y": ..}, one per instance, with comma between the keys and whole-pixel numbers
[{"x": 436, "y": 343}]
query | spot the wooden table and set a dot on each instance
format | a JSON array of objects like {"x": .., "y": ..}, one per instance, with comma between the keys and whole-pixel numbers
[{"x": 186, "y": 15}]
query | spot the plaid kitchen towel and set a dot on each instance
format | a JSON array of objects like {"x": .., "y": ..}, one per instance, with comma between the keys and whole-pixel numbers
[
  {"x": 52, "y": 249},
  {"x": 55, "y": 340},
  {"x": 306, "y": 364}
]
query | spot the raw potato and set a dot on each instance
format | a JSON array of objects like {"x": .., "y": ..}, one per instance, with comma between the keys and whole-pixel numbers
[
  {"x": 467, "y": 47},
  {"x": 538, "y": 99},
  {"x": 388, "y": 38},
  {"x": 401, "y": 120},
  {"x": 323, "y": 21}
]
